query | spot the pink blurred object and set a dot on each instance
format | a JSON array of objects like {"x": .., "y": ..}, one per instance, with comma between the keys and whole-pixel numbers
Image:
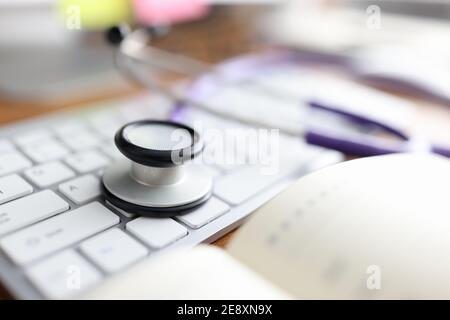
[{"x": 154, "y": 12}]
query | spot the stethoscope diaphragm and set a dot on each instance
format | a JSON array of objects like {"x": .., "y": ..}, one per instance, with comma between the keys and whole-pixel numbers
[{"x": 157, "y": 178}]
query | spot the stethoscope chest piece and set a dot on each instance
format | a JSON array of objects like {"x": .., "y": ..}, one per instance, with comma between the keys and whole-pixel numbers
[{"x": 158, "y": 178}]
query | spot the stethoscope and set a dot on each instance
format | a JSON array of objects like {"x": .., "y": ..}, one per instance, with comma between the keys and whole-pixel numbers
[{"x": 156, "y": 179}]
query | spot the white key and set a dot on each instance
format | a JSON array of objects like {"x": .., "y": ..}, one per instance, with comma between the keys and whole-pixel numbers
[
  {"x": 25, "y": 211},
  {"x": 46, "y": 151},
  {"x": 108, "y": 131},
  {"x": 212, "y": 209},
  {"x": 70, "y": 128},
  {"x": 5, "y": 146},
  {"x": 112, "y": 151},
  {"x": 13, "y": 187},
  {"x": 47, "y": 174},
  {"x": 32, "y": 137},
  {"x": 156, "y": 232},
  {"x": 82, "y": 189},
  {"x": 11, "y": 162},
  {"x": 122, "y": 212},
  {"x": 63, "y": 276},
  {"x": 215, "y": 173},
  {"x": 154, "y": 107},
  {"x": 82, "y": 140},
  {"x": 87, "y": 161},
  {"x": 130, "y": 112},
  {"x": 225, "y": 157},
  {"x": 113, "y": 250},
  {"x": 106, "y": 122},
  {"x": 241, "y": 185},
  {"x": 56, "y": 233}
]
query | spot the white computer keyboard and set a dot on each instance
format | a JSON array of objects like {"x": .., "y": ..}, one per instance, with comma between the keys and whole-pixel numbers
[{"x": 58, "y": 237}]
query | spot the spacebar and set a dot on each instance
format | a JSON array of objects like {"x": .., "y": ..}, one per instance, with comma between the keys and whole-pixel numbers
[{"x": 46, "y": 237}]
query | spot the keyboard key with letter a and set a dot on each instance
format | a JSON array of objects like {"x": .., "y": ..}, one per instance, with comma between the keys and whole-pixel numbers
[{"x": 82, "y": 189}]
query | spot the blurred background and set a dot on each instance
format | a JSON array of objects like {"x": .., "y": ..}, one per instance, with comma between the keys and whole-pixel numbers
[
  {"x": 42, "y": 58},
  {"x": 397, "y": 45}
]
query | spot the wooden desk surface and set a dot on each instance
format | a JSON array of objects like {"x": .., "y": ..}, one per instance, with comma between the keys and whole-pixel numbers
[{"x": 432, "y": 119}]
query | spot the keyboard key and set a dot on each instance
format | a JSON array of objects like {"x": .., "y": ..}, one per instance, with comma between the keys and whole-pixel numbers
[
  {"x": 63, "y": 276},
  {"x": 5, "y": 146},
  {"x": 48, "y": 174},
  {"x": 122, "y": 212},
  {"x": 327, "y": 158},
  {"x": 154, "y": 107},
  {"x": 56, "y": 233},
  {"x": 215, "y": 173},
  {"x": 113, "y": 250},
  {"x": 44, "y": 152},
  {"x": 156, "y": 232},
  {"x": 11, "y": 162},
  {"x": 112, "y": 151},
  {"x": 32, "y": 137},
  {"x": 212, "y": 209},
  {"x": 25, "y": 211},
  {"x": 13, "y": 187},
  {"x": 135, "y": 111},
  {"x": 87, "y": 161},
  {"x": 82, "y": 140},
  {"x": 226, "y": 158},
  {"x": 106, "y": 123},
  {"x": 82, "y": 189},
  {"x": 241, "y": 185},
  {"x": 70, "y": 128}
]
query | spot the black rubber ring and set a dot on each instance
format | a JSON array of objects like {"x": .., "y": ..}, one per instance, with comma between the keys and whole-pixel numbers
[
  {"x": 158, "y": 158},
  {"x": 153, "y": 212}
]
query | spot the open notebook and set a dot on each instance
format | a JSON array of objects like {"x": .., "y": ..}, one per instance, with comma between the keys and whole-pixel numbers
[{"x": 370, "y": 228}]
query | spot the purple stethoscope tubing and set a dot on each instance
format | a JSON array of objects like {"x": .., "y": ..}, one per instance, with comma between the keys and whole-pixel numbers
[
  {"x": 245, "y": 67},
  {"x": 360, "y": 145}
]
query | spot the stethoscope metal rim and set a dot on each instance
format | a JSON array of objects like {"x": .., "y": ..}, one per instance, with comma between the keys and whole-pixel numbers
[
  {"x": 194, "y": 184},
  {"x": 157, "y": 158},
  {"x": 150, "y": 182},
  {"x": 153, "y": 212}
]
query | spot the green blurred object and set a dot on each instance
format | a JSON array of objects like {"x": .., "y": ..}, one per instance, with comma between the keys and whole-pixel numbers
[{"x": 95, "y": 14}]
